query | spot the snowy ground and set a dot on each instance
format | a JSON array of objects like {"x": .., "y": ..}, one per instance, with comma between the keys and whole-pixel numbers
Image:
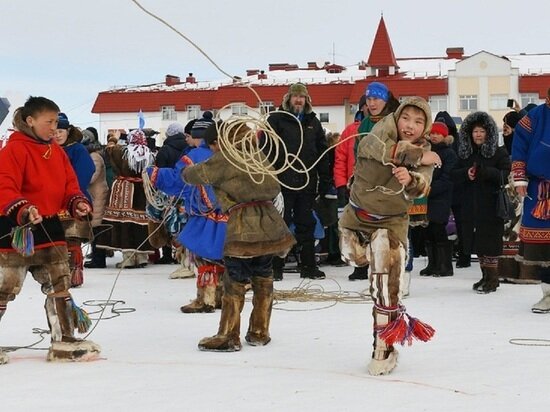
[{"x": 317, "y": 359}]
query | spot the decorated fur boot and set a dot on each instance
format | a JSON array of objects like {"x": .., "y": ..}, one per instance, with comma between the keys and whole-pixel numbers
[
  {"x": 228, "y": 337},
  {"x": 491, "y": 280},
  {"x": 185, "y": 270},
  {"x": 63, "y": 317},
  {"x": 262, "y": 301},
  {"x": 384, "y": 356},
  {"x": 198, "y": 304},
  {"x": 543, "y": 305}
]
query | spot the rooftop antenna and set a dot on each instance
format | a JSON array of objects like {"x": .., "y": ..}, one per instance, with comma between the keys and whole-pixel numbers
[{"x": 333, "y": 53}]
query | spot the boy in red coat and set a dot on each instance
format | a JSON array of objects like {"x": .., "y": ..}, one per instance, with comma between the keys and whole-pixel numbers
[{"x": 36, "y": 182}]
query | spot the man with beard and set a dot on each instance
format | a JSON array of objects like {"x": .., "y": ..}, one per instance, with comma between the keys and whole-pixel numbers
[{"x": 302, "y": 134}]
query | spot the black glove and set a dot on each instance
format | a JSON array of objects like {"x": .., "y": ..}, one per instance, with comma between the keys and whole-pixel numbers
[{"x": 343, "y": 196}]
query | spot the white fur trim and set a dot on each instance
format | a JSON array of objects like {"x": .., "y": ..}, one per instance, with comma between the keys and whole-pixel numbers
[
  {"x": 383, "y": 367},
  {"x": 3, "y": 357}
]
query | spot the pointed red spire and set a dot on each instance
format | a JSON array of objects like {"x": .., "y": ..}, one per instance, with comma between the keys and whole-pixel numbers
[{"x": 381, "y": 54}]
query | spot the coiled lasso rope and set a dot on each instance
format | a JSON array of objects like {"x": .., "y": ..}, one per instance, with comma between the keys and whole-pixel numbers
[{"x": 246, "y": 157}]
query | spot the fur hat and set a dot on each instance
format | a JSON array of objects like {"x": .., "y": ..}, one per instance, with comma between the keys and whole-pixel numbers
[
  {"x": 62, "y": 121},
  {"x": 87, "y": 137},
  {"x": 440, "y": 128},
  {"x": 298, "y": 89},
  {"x": 174, "y": 129},
  {"x": 200, "y": 126},
  {"x": 512, "y": 118},
  {"x": 465, "y": 142},
  {"x": 378, "y": 90}
]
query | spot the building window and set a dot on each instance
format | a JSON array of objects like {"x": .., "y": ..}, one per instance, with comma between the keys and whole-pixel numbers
[
  {"x": 169, "y": 113},
  {"x": 498, "y": 101},
  {"x": 193, "y": 112},
  {"x": 324, "y": 117},
  {"x": 438, "y": 103},
  {"x": 527, "y": 98},
  {"x": 266, "y": 107},
  {"x": 468, "y": 102},
  {"x": 239, "y": 109}
]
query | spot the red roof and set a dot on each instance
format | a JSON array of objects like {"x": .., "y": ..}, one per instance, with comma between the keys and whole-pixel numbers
[
  {"x": 151, "y": 101},
  {"x": 381, "y": 53},
  {"x": 535, "y": 84}
]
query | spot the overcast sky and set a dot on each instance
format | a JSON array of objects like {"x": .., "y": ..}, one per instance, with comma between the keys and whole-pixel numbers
[{"x": 70, "y": 50}]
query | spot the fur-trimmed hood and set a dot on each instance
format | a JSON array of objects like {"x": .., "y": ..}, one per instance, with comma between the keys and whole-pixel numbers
[
  {"x": 447, "y": 140},
  {"x": 465, "y": 142},
  {"x": 308, "y": 108},
  {"x": 421, "y": 104}
]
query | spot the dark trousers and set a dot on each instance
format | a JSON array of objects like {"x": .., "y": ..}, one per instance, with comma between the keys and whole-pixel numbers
[
  {"x": 436, "y": 232},
  {"x": 243, "y": 269},
  {"x": 299, "y": 210}
]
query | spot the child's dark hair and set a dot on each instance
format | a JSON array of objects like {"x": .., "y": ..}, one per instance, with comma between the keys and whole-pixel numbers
[{"x": 35, "y": 105}]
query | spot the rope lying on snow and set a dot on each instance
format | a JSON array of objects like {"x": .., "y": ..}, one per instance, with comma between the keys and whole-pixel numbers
[{"x": 308, "y": 291}]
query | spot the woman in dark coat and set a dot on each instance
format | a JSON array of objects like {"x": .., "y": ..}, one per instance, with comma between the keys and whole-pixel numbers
[
  {"x": 482, "y": 165},
  {"x": 438, "y": 247}
]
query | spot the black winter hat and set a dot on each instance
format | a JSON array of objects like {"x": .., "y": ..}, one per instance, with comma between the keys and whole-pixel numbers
[
  {"x": 512, "y": 118},
  {"x": 200, "y": 126}
]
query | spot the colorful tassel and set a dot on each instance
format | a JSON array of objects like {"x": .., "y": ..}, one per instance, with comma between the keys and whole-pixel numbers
[
  {"x": 419, "y": 330},
  {"x": 542, "y": 207},
  {"x": 404, "y": 329},
  {"x": 23, "y": 240},
  {"x": 81, "y": 318}
]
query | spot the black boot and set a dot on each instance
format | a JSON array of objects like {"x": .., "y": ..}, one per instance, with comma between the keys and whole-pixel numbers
[
  {"x": 278, "y": 265},
  {"x": 359, "y": 273},
  {"x": 98, "y": 258},
  {"x": 480, "y": 283},
  {"x": 443, "y": 252},
  {"x": 308, "y": 266},
  {"x": 432, "y": 264}
]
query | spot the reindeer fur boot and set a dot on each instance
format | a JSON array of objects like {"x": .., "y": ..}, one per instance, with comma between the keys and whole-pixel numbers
[
  {"x": 262, "y": 301},
  {"x": 228, "y": 337},
  {"x": 62, "y": 319}
]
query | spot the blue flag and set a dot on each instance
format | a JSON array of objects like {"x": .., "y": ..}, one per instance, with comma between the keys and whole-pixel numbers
[{"x": 141, "y": 119}]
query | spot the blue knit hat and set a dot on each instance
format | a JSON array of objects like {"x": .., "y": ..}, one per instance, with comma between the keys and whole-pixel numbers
[
  {"x": 378, "y": 90},
  {"x": 62, "y": 121}
]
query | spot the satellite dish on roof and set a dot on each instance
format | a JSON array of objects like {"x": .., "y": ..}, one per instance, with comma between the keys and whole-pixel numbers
[{"x": 320, "y": 64}]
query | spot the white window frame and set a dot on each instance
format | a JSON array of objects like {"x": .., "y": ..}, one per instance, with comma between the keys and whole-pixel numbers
[
  {"x": 438, "y": 103},
  {"x": 526, "y": 98},
  {"x": 498, "y": 101},
  {"x": 193, "y": 111},
  {"x": 266, "y": 107},
  {"x": 467, "y": 102},
  {"x": 322, "y": 115},
  {"x": 239, "y": 109},
  {"x": 169, "y": 113}
]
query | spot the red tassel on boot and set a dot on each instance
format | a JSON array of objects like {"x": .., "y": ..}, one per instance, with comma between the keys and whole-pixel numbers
[
  {"x": 404, "y": 328},
  {"x": 77, "y": 265}
]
